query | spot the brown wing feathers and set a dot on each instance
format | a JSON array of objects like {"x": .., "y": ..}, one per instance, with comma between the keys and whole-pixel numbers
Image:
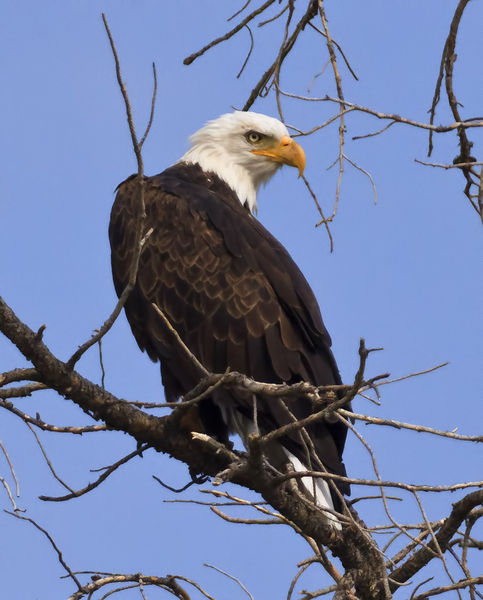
[{"x": 228, "y": 287}]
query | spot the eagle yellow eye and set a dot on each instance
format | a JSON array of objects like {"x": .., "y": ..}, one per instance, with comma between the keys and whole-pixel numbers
[{"x": 253, "y": 137}]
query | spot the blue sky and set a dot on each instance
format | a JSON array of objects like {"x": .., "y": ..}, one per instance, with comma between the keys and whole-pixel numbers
[{"x": 405, "y": 274}]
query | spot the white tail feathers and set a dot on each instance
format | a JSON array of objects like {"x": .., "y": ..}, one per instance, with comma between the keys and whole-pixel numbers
[{"x": 318, "y": 488}]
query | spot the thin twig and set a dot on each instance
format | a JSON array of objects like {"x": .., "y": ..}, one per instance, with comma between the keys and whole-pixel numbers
[
  {"x": 230, "y": 577},
  {"x": 101, "y": 363},
  {"x": 238, "y": 11},
  {"x": 194, "y": 481},
  {"x": 277, "y": 16},
  {"x": 448, "y": 588},
  {"x": 108, "y": 471},
  {"x": 384, "y": 483},
  {"x": 368, "y": 135},
  {"x": 322, "y": 126},
  {"x": 434, "y": 539},
  {"x": 167, "y": 583},
  {"x": 37, "y": 421},
  {"x": 297, "y": 576},
  {"x": 366, "y": 173},
  {"x": 451, "y": 524},
  {"x": 189, "y": 59},
  {"x": 480, "y": 194},
  {"x": 416, "y": 374},
  {"x": 181, "y": 345},
  {"x": 279, "y": 61},
  {"x": 282, "y": 54},
  {"x": 248, "y": 55},
  {"x": 12, "y": 470},
  {"x": 153, "y": 105},
  {"x": 47, "y": 460},
  {"x": 324, "y": 221},
  {"x": 342, "y": 106},
  {"x": 351, "y": 70},
  {"x": 410, "y": 426},
  {"x": 140, "y": 237},
  {"x": 9, "y": 493},
  {"x": 390, "y": 116},
  {"x": 245, "y": 521},
  {"x": 53, "y": 544}
]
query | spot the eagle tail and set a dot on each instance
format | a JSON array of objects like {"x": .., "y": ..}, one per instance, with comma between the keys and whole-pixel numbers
[{"x": 318, "y": 488}]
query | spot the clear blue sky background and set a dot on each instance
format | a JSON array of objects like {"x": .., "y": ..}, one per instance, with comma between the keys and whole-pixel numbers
[{"x": 405, "y": 274}]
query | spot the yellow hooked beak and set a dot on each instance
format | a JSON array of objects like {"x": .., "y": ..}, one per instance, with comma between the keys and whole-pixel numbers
[{"x": 286, "y": 151}]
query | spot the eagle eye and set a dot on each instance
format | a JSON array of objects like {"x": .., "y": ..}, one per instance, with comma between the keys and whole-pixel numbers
[{"x": 253, "y": 137}]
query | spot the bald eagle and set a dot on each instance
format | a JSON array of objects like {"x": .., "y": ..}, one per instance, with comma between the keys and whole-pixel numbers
[{"x": 231, "y": 291}]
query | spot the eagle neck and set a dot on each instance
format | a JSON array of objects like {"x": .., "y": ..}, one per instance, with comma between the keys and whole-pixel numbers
[{"x": 235, "y": 176}]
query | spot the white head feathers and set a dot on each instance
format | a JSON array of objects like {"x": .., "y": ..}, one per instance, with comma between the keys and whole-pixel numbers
[{"x": 225, "y": 146}]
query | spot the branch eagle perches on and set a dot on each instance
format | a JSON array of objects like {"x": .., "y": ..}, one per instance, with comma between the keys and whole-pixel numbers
[{"x": 354, "y": 547}]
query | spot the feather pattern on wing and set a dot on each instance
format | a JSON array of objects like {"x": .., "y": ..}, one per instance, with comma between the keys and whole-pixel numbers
[{"x": 234, "y": 295}]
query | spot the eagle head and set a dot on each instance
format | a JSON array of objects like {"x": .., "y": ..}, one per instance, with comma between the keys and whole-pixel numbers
[{"x": 245, "y": 149}]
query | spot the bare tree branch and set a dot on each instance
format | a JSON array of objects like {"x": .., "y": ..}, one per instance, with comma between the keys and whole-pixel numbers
[
  {"x": 422, "y": 556},
  {"x": 140, "y": 236},
  {"x": 108, "y": 471},
  {"x": 189, "y": 59}
]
